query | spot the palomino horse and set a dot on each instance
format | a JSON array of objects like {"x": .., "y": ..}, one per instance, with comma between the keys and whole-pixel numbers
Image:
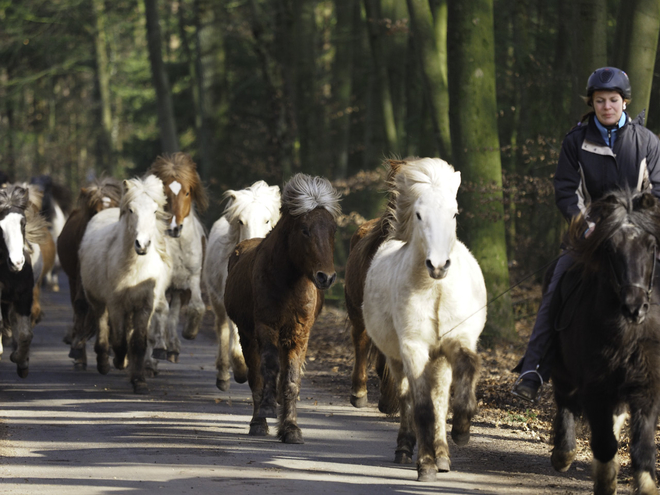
[
  {"x": 187, "y": 244},
  {"x": 96, "y": 196},
  {"x": 55, "y": 208},
  {"x": 274, "y": 294},
  {"x": 250, "y": 212},
  {"x": 20, "y": 268},
  {"x": 125, "y": 269},
  {"x": 424, "y": 308},
  {"x": 364, "y": 243},
  {"x": 609, "y": 343}
]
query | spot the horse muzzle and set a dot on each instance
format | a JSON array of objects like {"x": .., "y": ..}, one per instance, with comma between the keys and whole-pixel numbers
[
  {"x": 142, "y": 248},
  {"x": 175, "y": 231},
  {"x": 634, "y": 305},
  {"x": 437, "y": 273},
  {"x": 324, "y": 281},
  {"x": 16, "y": 266}
]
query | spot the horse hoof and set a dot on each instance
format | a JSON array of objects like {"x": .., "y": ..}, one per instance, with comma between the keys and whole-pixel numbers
[
  {"x": 22, "y": 372},
  {"x": 103, "y": 368},
  {"x": 402, "y": 457},
  {"x": 460, "y": 438},
  {"x": 140, "y": 387},
  {"x": 240, "y": 377},
  {"x": 119, "y": 364},
  {"x": 427, "y": 473},
  {"x": 189, "y": 333},
  {"x": 150, "y": 372},
  {"x": 293, "y": 436},
  {"x": 173, "y": 357},
  {"x": 387, "y": 407},
  {"x": 79, "y": 366},
  {"x": 443, "y": 464},
  {"x": 359, "y": 402},
  {"x": 160, "y": 354},
  {"x": 562, "y": 460},
  {"x": 76, "y": 353},
  {"x": 258, "y": 429},
  {"x": 222, "y": 384}
]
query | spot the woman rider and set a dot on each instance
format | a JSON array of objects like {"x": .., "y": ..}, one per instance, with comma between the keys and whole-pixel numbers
[{"x": 604, "y": 152}]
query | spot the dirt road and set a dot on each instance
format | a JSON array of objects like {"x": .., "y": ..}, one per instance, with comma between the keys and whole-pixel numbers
[{"x": 67, "y": 432}]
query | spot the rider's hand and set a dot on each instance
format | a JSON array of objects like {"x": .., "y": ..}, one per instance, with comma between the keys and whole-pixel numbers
[{"x": 590, "y": 230}]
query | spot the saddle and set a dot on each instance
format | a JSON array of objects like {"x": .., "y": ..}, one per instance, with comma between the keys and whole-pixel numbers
[{"x": 566, "y": 299}]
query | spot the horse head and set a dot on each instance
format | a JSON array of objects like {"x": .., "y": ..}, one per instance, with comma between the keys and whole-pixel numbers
[
  {"x": 253, "y": 211},
  {"x": 426, "y": 210},
  {"x": 623, "y": 247},
  {"x": 141, "y": 209},
  {"x": 182, "y": 186},
  {"x": 99, "y": 195},
  {"x": 310, "y": 207},
  {"x": 14, "y": 201}
]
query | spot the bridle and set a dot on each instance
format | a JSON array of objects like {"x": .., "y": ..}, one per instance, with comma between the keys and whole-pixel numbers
[{"x": 618, "y": 286}]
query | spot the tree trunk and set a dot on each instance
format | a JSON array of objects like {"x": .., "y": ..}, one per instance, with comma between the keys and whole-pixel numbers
[
  {"x": 432, "y": 54},
  {"x": 168, "y": 137},
  {"x": 476, "y": 152},
  {"x": 638, "y": 49}
]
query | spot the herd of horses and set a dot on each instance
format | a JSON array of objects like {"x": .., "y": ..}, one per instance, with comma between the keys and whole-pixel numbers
[{"x": 136, "y": 254}]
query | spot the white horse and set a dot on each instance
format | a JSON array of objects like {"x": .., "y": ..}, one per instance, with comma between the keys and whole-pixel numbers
[
  {"x": 125, "y": 269},
  {"x": 424, "y": 308},
  {"x": 250, "y": 212}
]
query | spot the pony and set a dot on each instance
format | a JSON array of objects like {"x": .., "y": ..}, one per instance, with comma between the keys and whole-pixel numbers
[
  {"x": 608, "y": 348},
  {"x": 125, "y": 269},
  {"x": 23, "y": 229},
  {"x": 364, "y": 244},
  {"x": 250, "y": 212},
  {"x": 55, "y": 208},
  {"x": 186, "y": 239},
  {"x": 274, "y": 293},
  {"x": 424, "y": 308},
  {"x": 96, "y": 196}
]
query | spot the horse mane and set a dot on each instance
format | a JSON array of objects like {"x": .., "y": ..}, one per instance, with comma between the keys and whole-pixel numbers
[
  {"x": 92, "y": 195},
  {"x": 21, "y": 197},
  {"x": 259, "y": 192},
  {"x": 414, "y": 178},
  {"x": 610, "y": 213},
  {"x": 181, "y": 167},
  {"x": 304, "y": 193}
]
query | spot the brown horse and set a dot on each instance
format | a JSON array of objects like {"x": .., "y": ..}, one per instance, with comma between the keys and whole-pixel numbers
[
  {"x": 274, "y": 294},
  {"x": 364, "y": 244},
  {"x": 99, "y": 195}
]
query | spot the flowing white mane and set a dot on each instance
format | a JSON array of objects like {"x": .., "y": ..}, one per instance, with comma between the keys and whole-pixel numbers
[
  {"x": 259, "y": 192},
  {"x": 426, "y": 176},
  {"x": 304, "y": 193}
]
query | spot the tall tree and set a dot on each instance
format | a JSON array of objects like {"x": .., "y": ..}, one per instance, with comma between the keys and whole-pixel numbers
[
  {"x": 168, "y": 137},
  {"x": 430, "y": 45},
  {"x": 476, "y": 151},
  {"x": 638, "y": 25}
]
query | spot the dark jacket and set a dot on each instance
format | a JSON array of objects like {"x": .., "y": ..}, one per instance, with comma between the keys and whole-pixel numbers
[{"x": 588, "y": 168}]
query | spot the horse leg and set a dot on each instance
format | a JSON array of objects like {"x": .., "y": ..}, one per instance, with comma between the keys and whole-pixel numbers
[
  {"x": 361, "y": 344},
  {"x": 238, "y": 365},
  {"x": 221, "y": 327},
  {"x": 603, "y": 445},
  {"x": 195, "y": 311},
  {"x": 258, "y": 423},
  {"x": 171, "y": 335},
  {"x": 82, "y": 322},
  {"x": 440, "y": 370},
  {"x": 406, "y": 438},
  {"x": 291, "y": 361},
  {"x": 157, "y": 332},
  {"x": 22, "y": 328},
  {"x": 137, "y": 349},
  {"x": 564, "y": 451},
  {"x": 270, "y": 369},
  {"x": 643, "y": 420}
]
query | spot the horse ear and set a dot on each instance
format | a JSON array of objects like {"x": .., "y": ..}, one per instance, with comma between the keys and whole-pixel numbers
[
  {"x": 646, "y": 201},
  {"x": 127, "y": 184}
]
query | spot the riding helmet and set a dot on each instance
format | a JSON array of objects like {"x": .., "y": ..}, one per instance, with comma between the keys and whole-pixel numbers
[{"x": 609, "y": 79}]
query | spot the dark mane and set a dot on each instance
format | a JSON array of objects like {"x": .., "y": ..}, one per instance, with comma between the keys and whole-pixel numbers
[
  {"x": 92, "y": 195},
  {"x": 17, "y": 197},
  {"x": 181, "y": 167}
]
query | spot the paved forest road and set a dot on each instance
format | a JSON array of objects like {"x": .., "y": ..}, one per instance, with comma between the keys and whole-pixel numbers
[{"x": 67, "y": 432}]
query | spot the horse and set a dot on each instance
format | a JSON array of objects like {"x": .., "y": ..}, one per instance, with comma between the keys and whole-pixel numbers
[
  {"x": 424, "y": 308},
  {"x": 274, "y": 293},
  {"x": 98, "y": 195},
  {"x": 250, "y": 212},
  {"x": 23, "y": 229},
  {"x": 125, "y": 269},
  {"x": 608, "y": 346},
  {"x": 55, "y": 208},
  {"x": 186, "y": 239},
  {"x": 364, "y": 244}
]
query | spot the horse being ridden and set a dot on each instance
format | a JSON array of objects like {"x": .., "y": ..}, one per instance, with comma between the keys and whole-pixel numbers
[
  {"x": 274, "y": 294},
  {"x": 424, "y": 308},
  {"x": 609, "y": 346},
  {"x": 125, "y": 269},
  {"x": 186, "y": 239},
  {"x": 250, "y": 212},
  {"x": 20, "y": 268},
  {"x": 364, "y": 244},
  {"x": 94, "y": 197}
]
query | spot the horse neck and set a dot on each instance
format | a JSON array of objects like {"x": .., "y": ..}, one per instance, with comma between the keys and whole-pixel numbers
[{"x": 276, "y": 243}]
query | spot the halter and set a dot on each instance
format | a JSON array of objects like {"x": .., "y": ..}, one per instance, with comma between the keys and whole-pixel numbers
[{"x": 619, "y": 287}]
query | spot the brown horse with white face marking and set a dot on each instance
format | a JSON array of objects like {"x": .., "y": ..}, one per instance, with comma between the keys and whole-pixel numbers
[{"x": 274, "y": 293}]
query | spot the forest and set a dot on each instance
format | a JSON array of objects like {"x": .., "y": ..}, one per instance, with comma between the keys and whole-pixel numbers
[{"x": 262, "y": 89}]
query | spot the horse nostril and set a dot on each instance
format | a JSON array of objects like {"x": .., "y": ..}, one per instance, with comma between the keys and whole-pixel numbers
[
  {"x": 322, "y": 278},
  {"x": 447, "y": 264},
  {"x": 429, "y": 265},
  {"x": 333, "y": 278}
]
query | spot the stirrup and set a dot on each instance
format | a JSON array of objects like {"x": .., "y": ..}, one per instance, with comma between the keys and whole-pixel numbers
[{"x": 531, "y": 397}]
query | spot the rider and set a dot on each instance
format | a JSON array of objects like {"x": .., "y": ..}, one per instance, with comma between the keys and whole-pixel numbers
[{"x": 606, "y": 151}]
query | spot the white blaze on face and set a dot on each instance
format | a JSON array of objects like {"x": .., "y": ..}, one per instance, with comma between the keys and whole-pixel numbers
[
  {"x": 175, "y": 187},
  {"x": 173, "y": 222},
  {"x": 106, "y": 202},
  {"x": 13, "y": 236}
]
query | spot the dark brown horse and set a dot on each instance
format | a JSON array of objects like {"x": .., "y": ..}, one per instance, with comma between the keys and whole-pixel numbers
[
  {"x": 364, "y": 244},
  {"x": 99, "y": 195},
  {"x": 274, "y": 294}
]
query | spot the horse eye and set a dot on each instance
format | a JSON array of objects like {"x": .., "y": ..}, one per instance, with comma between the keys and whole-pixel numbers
[
  {"x": 419, "y": 217},
  {"x": 305, "y": 231},
  {"x": 130, "y": 210},
  {"x": 267, "y": 221},
  {"x": 187, "y": 194},
  {"x": 455, "y": 214}
]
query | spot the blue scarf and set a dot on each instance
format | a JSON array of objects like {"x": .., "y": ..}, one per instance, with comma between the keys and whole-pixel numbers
[{"x": 612, "y": 132}]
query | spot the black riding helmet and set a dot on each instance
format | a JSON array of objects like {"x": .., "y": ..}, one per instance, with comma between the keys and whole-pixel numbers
[{"x": 609, "y": 79}]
